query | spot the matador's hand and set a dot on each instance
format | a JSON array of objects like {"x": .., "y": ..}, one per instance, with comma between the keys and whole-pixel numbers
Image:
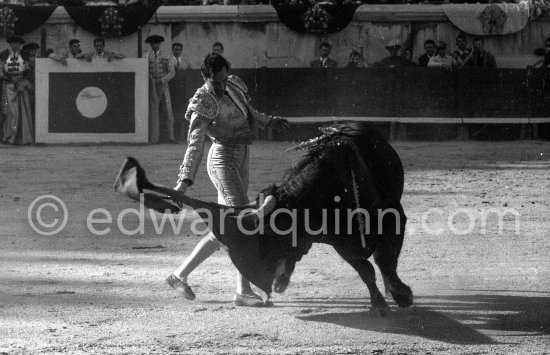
[
  {"x": 279, "y": 123},
  {"x": 181, "y": 187}
]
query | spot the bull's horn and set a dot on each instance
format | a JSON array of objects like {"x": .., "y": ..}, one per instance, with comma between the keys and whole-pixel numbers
[{"x": 266, "y": 207}]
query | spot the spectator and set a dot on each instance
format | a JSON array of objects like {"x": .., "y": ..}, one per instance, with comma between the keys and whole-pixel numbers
[
  {"x": 177, "y": 90},
  {"x": 161, "y": 71},
  {"x": 355, "y": 60},
  {"x": 543, "y": 52},
  {"x": 217, "y": 48},
  {"x": 100, "y": 52},
  {"x": 441, "y": 59},
  {"x": 28, "y": 52},
  {"x": 179, "y": 62},
  {"x": 16, "y": 89},
  {"x": 480, "y": 57},
  {"x": 74, "y": 51},
  {"x": 462, "y": 54},
  {"x": 324, "y": 61},
  {"x": 429, "y": 48},
  {"x": 394, "y": 60},
  {"x": 74, "y": 48}
]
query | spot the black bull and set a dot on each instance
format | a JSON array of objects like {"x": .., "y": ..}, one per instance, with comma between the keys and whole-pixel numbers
[{"x": 349, "y": 172}]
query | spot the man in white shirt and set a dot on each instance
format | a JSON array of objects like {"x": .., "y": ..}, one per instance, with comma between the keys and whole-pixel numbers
[
  {"x": 441, "y": 59},
  {"x": 179, "y": 62},
  {"x": 74, "y": 51},
  {"x": 100, "y": 52},
  {"x": 324, "y": 61}
]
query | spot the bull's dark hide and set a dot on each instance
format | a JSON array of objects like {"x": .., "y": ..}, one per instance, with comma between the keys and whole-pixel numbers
[
  {"x": 325, "y": 172},
  {"x": 321, "y": 180}
]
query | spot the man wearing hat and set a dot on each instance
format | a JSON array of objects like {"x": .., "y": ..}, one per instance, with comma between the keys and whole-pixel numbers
[
  {"x": 161, "y": 71},
  {"x": 394, "y": 60},
  {"x": 29, "y": 51},
  {"x": 16, "y": 103}
]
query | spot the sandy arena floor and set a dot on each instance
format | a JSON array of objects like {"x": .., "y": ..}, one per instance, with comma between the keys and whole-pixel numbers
[{"x": 475, "y": 292}]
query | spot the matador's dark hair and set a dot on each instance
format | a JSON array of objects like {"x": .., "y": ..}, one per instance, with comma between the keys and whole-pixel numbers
[{"x": 212, "y": 64}]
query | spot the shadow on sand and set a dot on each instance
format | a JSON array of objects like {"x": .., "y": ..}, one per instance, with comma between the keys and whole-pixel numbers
[{"x": 452, "y": 319}]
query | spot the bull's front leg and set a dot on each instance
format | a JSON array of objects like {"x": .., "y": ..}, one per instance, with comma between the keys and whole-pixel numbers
[
  {"x": 366, "y": 271},
  {"x": 284, "y": 269}
]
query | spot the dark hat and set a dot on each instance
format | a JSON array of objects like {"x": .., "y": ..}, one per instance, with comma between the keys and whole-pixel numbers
[
  {"x": 73, "y": 41},
  {"x": 154, "y": 39},
  {"x": 12, "y": 39},
  {"x": 30, "y": 46}
]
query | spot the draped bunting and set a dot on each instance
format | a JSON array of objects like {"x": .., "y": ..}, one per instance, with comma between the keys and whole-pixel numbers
[
  {"x": 320, "y": 17},
  {"x": 484, "y": 19},
  {"x": 20, "y": 20},
  {"x": 111, "y": 21}
]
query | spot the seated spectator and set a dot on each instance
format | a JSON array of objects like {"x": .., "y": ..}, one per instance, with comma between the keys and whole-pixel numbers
[
  {"x": 100, "y": 52},
  {"x": 480, "y": 58},
  {"x": 441, "y": 59},
  {"x": 355, "y": 60},
  {"x": 74, "y": 51},
  {"x": 463, "y": 53},
  {"x": 394, "y": 60},
  {"x": 429, "y": 48},
  {"x": 324, "y": 61}
]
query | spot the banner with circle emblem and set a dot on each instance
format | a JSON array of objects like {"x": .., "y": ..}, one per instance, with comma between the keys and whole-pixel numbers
[{"x": 96, "y": 101}]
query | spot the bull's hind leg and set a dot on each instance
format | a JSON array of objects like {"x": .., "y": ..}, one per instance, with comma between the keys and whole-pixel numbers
[
  {"x": 387, "y": 253},
  {"x": 385, "y": 256},
  {"x": 367, "y": 273}
]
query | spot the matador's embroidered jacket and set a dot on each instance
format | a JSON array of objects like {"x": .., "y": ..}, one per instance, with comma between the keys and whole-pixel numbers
[{"x": 207, "y": 118}]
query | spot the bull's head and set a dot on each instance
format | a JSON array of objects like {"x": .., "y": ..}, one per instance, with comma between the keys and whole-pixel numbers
[{"x": 227, "y": 223}]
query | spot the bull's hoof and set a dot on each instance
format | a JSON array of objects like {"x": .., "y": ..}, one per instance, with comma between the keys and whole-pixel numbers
[
  {"x": 402, "y": 296},
  {"x": 379, "y": 311},
  {"x": 280, "y": 283}
]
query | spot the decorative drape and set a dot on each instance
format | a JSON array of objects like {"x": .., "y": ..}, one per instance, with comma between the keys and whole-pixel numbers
[
  {"x": 320, "y": 17},
  {"x": 488, "y": 19},
  {"x": 20, "y": 20},
  {"x": 111, "y": 21}
]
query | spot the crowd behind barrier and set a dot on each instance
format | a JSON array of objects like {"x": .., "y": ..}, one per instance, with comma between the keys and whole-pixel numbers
[{"x": 464, "y": 84}]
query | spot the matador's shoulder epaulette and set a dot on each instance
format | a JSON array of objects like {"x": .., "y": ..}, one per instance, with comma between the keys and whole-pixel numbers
[
  {"x": 203, "y": 103},
  {"x": 235, "y": 80}
]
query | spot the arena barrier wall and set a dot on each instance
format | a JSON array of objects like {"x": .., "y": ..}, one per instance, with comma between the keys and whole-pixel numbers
[{"x": 409, "y": 95}]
